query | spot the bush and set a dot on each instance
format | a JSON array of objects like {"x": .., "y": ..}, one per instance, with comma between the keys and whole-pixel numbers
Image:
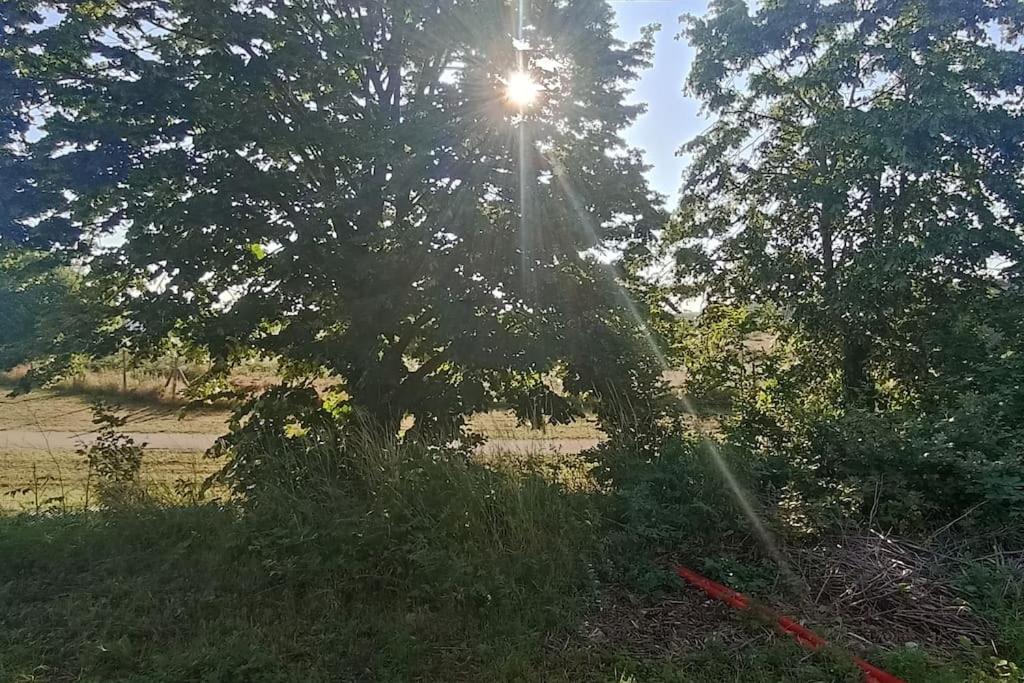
[
  {"x": 115, "y": 459},
  {"x": 427, "y": 523},
  {"x": 915, "y": 471},
  {"x": 908, "y": 470},
  {"x": 669, "y": 499},
  {"x": 909, "y": 456},
  {"x": 326, "y": 496}
]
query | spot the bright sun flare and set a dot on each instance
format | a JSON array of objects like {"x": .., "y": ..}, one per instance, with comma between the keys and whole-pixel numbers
[{"x": 521, "y": 90}]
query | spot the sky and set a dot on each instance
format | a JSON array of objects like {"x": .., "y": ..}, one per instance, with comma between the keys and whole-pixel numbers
[{"x": 672, "y": 117}]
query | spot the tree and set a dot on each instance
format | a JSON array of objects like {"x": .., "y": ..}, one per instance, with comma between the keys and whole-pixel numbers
[
  {"x": 863, "y": 172},
  {"x": 17, "y": 199},
  {"x": 343, "y": 184},
  {"x": 51, "y": 316},
  {"x": 31, "y": 209}
]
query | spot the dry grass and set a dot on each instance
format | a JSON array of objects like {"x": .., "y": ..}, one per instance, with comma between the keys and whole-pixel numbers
[
  {"x": 887, "y": 590},
  {"x": 66, "y": 409},
  {"x": 31, "y": 480},
  {"x": 57, "y": 417},
  {"x": 501, "y": 424},
  {"x": 31, "y": 476},
  {"x": 679, "y": 622},
  {"x": 59, "y": 410}
]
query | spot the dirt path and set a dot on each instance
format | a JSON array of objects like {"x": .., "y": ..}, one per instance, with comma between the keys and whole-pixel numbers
[{"x": 64, "y": 441}]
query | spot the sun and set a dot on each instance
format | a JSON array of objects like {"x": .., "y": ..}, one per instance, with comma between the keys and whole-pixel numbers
[{"x": 521, "y": 90}]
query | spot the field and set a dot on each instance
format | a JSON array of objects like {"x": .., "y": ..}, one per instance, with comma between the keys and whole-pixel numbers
[{"x": 41, "y": 430}]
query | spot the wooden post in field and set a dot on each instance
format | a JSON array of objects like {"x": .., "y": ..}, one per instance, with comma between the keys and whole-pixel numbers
[
  {"x": 174, "y": 377},
  {"x": 124, "y": 371}
]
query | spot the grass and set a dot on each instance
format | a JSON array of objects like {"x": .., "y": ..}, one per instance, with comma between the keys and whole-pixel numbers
[
  {"x": 36, "y": 480},
  {"x": 382, "y": 564},
  {"x": 502, "y": 424},
  {"x": 67, "y": 410},
  {"x": 370, "y": 578},
  {"x": 184, "y": 594},
  {"x": 51, "y": 474},
  {"x": 391, "y": 564}
]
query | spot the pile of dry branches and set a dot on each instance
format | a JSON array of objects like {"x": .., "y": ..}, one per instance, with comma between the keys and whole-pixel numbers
[{"x": 889, "y": 591}]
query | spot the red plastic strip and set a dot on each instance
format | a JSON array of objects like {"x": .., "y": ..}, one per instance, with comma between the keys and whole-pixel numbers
[{"x": 803, "y": 635}]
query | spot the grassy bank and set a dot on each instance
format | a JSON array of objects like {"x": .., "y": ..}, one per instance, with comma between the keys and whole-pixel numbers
[
  {"x": 401, "y": 566},
  {"x": 181, "y": 594},
  {"x": 434, "y": 568}
]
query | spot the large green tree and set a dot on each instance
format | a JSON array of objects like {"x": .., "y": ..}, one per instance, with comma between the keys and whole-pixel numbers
[
  {"x": 863, "y": 173},
  {"x": 345, "y": 184}
]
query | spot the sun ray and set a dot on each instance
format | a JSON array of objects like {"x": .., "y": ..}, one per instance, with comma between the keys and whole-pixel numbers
[{"x": 743, "y": 498}]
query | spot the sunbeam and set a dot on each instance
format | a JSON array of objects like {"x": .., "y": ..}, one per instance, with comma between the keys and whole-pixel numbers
[{"x": 743, "y": 498}]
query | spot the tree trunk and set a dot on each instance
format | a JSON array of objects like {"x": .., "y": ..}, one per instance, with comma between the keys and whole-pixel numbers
[{"x": 856, "y": 382}]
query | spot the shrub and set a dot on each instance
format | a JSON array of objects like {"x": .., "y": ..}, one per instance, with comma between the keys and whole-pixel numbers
[
  {"x": 672, "y": 498},
  {"x": 326, "y": 496},
  {"x": 427, "y": 523},
  {"x": 115, "y": 459},
  {"x": 908, "y": 470},
  {"x": 909, "y": 456}
]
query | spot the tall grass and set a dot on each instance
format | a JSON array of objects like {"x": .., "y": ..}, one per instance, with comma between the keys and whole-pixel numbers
[
  {"x": 350, "y": 556},
  {"x": 382, "y": 562},
  {"x": 425, "y": 521}
]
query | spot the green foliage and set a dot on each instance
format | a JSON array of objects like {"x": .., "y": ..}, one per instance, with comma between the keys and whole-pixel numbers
[
  {"x": 738, "y": 357},
  {"x": 115, "y": 459},
  {"x": 27, "y": 215},
  {"x": 994, "y": 587},
  {"x": 405, "y": 517},
  {"x": 45, "y": 313},
  {"x": 949, "y": 451},
  {"x": 346, "y": 187},
  {"x": 863, "y": 172},
  {"x": 417, "y": 564},
  {"x": 669, "y": 500},
  {"x": 430, "y": 525},
  {"x": 772, "y": 663},
  {"x": 919, "y": 470},
  {"x": 285, "y": 437}
]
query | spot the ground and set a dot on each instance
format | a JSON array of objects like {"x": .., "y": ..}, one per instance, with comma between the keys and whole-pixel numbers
[
  {"x": 181, "y": 594},
  {"x": 40, "y": 432},
  {"x": 185, "y": 592}
]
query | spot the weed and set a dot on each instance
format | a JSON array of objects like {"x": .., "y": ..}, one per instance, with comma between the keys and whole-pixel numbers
[{"x": 114, "y": 458}]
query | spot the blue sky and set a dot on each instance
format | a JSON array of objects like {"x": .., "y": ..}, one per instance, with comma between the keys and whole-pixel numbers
[{"x": 672, "y": 118}]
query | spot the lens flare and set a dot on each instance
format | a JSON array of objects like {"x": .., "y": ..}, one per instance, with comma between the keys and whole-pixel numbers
[
  {"x": 521, "y": 89},
  {"x": 745, "y": 500}
]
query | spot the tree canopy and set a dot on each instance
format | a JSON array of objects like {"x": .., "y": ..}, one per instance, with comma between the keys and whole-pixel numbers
[
  {"x": 863, "y": 172},
  {"x": 343, "y": 184}
]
